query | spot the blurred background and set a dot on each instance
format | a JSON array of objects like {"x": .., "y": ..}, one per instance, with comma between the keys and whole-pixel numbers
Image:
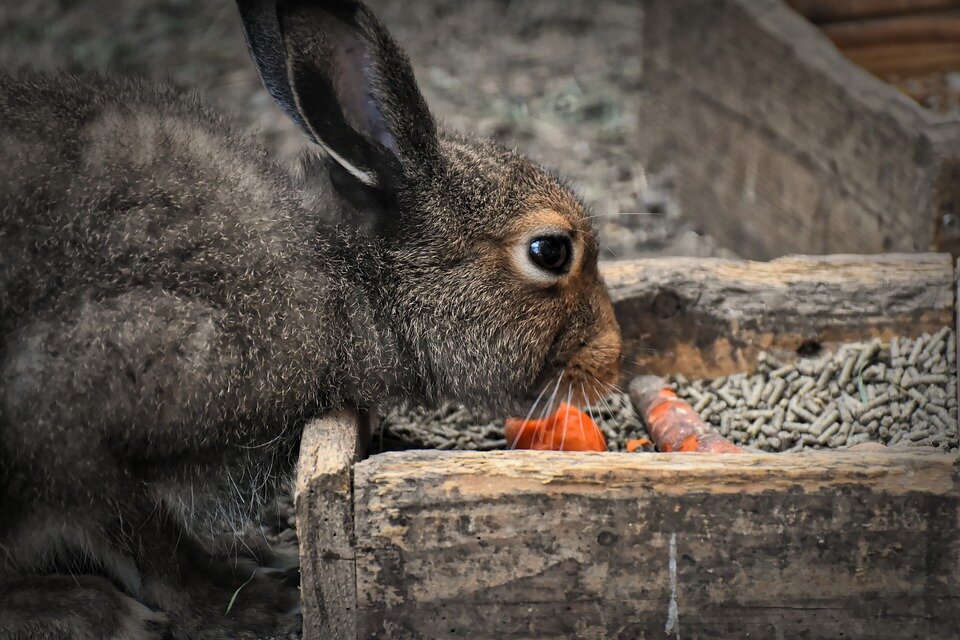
[
  {"x": 752, "y": 128},
  {"x": 559, "y": 79}
]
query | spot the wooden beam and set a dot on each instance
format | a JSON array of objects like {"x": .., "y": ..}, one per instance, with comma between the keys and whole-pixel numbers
[
  {"x": 908, "y": 59},
  {"x": 324, "y": 508},
  {"x": 924, "y": 28},
  {"x": 546, "y": 545},
  {"x": 834, "y": 10},
  {"x": 901, "y": 46},
  {"x": 706, "y": 317}
]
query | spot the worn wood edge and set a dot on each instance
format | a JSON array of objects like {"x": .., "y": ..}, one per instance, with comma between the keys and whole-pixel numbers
[
  {"x": 828, "y": 11},
  {"x": 927, "y": 27},
  {"x": 714, "y": 334},
  {"x": 833, "y": 268},
  {"x": 329, "y": 445},
  {"x": 509, "y": 473},
  {"x": 323, "y": 501}
]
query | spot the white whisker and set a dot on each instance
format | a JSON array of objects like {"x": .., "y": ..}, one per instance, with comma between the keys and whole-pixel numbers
[
  {"x": 513, "y": 445},
  {"x": 548, "y": 409},
  {"x": 589, "y": 410},
  {"x": 604, "y": 395},
  {"x": 566, "y": 426}
]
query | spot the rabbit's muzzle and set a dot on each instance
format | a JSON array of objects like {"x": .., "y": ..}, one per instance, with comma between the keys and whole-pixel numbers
[{"x": 594, "y": 369}]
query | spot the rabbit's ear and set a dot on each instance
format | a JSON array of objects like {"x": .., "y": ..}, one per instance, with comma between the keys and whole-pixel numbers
[{"x": 336, "y": 72}]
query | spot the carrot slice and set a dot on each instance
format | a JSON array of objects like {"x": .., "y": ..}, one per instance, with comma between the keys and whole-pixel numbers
[
  {"x": 672, "y": 423},
  {"x": 638, "y": 443},
  {"x": 569, "y": 429}
]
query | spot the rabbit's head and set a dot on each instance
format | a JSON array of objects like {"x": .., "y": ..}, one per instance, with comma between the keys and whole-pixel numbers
[{"x": 492, "y": 281}]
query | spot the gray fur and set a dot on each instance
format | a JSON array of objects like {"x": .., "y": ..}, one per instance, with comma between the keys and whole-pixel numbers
[{"x": 173, "y": 307}]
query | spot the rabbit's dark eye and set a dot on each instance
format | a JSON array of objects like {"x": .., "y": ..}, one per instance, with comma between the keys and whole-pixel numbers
[{"x": 551, "y": 253}]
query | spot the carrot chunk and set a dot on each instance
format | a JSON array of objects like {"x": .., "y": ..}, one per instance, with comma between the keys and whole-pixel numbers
[
  {"x": 569, "y": 429},
  {"x": 672, "y": 423},
  {"x": 638, "y": 443}
]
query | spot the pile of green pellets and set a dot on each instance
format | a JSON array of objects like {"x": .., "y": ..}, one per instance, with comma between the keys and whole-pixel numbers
[
  {"x": 452, "y": 426},
  {"x": 449, "y": 426},
  {"x": 900, "y": 393},
  {"x": 903, "y": 392}
]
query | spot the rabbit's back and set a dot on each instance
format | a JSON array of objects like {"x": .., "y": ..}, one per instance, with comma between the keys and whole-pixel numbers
[
  {"x": 163, "y": 296},
  {"x": 107, "y": 185},
  {"x": 137, "y": 228}
]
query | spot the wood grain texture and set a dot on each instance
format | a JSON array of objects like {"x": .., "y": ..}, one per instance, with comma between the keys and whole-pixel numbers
[
  {"x": 780, "y": 144},
  {"x": 902, "y": 45},
  {"x": 324, "y": 511},
  {"x": 706, "y": 317},
  {"x": 838, "y": 10},
  {"x": 549, "y": 546},
  {"x": 906, "y": 59},
  {"x": 924, "y": 28}
]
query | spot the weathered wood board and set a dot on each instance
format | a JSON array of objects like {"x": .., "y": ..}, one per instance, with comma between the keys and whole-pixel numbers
[
  {"x": 550, "y": 546},
  {"x": 705, "y": 317},
  {"x": 845, "y": 10},
  {"x": 852, "y": 544},
  {"x": 324, "y": 511},
  {"x": 901, "y": 46},
  {"x": 781, "y": 144}
]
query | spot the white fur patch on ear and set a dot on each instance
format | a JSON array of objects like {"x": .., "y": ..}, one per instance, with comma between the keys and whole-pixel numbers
[{"x": 366, "y": 177}]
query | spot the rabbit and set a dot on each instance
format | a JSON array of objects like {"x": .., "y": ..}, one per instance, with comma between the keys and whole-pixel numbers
[{"x": 174, "y": 308}]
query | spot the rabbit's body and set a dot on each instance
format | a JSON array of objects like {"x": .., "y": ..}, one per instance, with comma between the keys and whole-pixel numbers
[
  {"x": 173, "y": 308},
  {"x": 171, "y": 315}
]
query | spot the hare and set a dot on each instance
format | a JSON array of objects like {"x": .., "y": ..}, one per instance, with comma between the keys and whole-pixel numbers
[{"x": 174, "y": 308}]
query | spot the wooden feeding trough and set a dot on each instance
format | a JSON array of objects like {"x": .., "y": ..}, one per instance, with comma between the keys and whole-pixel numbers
[
  {"x": 781, "y": 143},
  {"x": 827, "y": 544}
]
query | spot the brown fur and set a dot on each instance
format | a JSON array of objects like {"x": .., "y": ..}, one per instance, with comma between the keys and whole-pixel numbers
[{"x": 173, "y": 308}]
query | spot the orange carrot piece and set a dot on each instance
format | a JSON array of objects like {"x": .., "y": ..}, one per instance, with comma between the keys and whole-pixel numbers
[
  {"x": 638, "y": 443},
  {"x": 672, "y": 423},
  {"x": 569, "y": 429}
]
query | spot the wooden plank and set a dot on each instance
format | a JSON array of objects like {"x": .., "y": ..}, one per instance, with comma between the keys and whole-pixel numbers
[
  {"x": 835, "y": 10},
  {"x": 324, "y": 508},
  {"x": 779, "y": 143},
  {"x": 706, "y": 317},
  {"x": 906, "y": 59},
  {"x": 901, "y": 46},
  {"x": 937, "y": 27},
  {"x": 548, "y": 546}
]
